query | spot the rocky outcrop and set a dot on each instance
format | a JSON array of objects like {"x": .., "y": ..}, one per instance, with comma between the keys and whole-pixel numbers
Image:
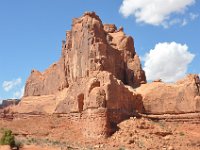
[
  {"x": 99, "y": 79},
  {"x": 103, "y": 98},
  {"x": 9, "y": 102},
  {"x": 92, "y": 80},
  {"x": 172, "y": 98},
  {"x": 101, "y": 91},
  {"x": 49, "y": 82},
  {"x": 90, "y": 46}
]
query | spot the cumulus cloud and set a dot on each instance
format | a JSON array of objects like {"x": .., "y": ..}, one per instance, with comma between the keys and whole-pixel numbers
[
  {"x": 18, "y": 94},
  {"x": 156, "y": 12},
  {"x": 9, "y": 85},
  {"x": 167, "y": 61}
]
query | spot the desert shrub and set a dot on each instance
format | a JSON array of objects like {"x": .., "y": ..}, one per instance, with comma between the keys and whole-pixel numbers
[
  {"x": 55, "y": 142},
  {"x": 8, "y": 138},
  {"x": 18, "y": 144},
  {"x": 32, "y": 141},
  {"x": 181, "y": 134}
]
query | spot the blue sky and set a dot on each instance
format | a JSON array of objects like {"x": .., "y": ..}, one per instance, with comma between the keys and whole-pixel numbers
[{"x": 31, "y": 33}]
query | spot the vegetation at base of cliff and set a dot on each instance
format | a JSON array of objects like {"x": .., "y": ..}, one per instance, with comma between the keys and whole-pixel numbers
[{"x": 9, "y": 139}]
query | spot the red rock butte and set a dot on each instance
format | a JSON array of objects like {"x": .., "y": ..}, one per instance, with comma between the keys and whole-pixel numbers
[{"x": 99, "y": 82}]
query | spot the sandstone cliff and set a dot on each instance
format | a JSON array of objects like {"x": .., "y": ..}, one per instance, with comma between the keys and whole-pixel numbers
[
  {"x": 90, "y": 47},
  {"x": 9, "y": 102},
  {"x": 99, "y": 78},
  {"x": 172, "y": 98},
  {"x": 92, "y": 79}
]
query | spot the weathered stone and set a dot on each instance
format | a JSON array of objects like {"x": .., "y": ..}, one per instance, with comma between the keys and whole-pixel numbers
[
  {"x": 49, "y": 82},
  {"x": 109, "y": 93},
  {"x": 172, "y": 98},
  {"x": 94, "y": 77},
  {"x": 90, "y": 46},
  {"x": 9, "y": 102},
  {"x": 109, "y": 28},
  {"x": 99, "y": 78}
]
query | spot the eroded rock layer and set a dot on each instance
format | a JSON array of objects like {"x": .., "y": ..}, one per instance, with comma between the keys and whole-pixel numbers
[
  {"x": 90, "y": 46},
  {"x": 92, "y": 79},
  {"x": 172, "y": 98},
  {"x": 98, "y": 82}
]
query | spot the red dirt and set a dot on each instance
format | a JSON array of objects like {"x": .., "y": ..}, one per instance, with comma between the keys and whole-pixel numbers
[{"x": 58, "y": 132}]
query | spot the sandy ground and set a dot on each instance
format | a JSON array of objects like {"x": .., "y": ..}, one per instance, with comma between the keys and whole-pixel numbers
[{"x": 55, "y": 133}]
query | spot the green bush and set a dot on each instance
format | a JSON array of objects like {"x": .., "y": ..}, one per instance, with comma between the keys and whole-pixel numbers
[{"x": 8, "y": 138}]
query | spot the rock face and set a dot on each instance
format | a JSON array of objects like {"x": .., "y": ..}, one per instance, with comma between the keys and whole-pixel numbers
[
  {"x": 9, "y": 102},
  {"x": 90, "y": 47},
  {"x": 48, "y": 82},
  {"x": 172, "y": 98},
  {"x": 102, "y": 91},
  {"x": 99, "y": 79},
  {"x": 92, "y": 79}
]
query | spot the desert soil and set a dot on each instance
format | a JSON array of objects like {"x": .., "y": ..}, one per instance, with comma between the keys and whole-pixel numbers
[{"x": 57, "y": 133}]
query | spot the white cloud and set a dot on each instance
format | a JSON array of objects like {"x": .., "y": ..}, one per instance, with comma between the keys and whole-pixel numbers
[
  {"x": 185, "y": 22},
  {"x": 156, "y": 12},
  {"x": 8, "y": 85},
  {"x": 167, "y": 61},
  {"x": 193, "y": 16},
  {"x": 18, "y": 94}
]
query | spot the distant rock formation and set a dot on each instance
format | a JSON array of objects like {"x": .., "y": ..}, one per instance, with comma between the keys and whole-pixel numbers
[
  {"x": 172, "y": 98},
  {"x": 9, "y": 102}
]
